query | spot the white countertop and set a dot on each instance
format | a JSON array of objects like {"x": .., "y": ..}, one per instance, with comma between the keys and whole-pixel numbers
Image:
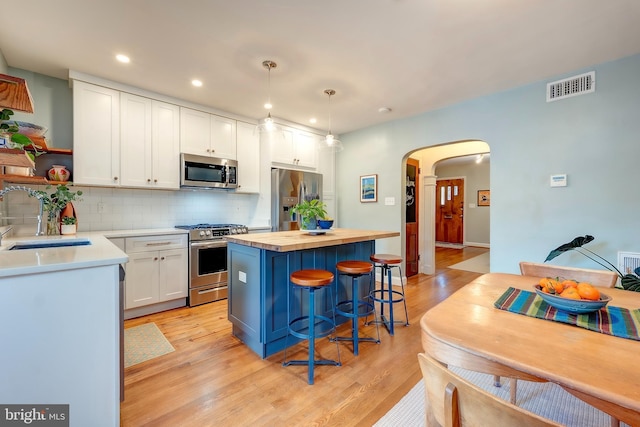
[
  {"x": 112, "y": 234},
  {"x": 32, "y": 261},
  {"x": 100, "y": 252}
]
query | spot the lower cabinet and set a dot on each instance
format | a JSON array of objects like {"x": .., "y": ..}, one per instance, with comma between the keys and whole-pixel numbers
[{"x": 157, "y": 273}]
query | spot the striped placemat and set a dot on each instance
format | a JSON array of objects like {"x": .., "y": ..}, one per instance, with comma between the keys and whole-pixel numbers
[{"x": 611, "y": 320}]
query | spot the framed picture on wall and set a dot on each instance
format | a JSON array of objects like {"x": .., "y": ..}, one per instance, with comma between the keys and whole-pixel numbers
[
  {"x": 369, "y": 188},
  {"x": 484, "y": 197}
]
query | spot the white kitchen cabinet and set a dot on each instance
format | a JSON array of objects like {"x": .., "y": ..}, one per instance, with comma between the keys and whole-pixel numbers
[
  {"x": 165, "y": 149},
  {"x": 293, "y": 147},
  {"x": 248, "y": 145},
  {"x": 150, "y": 144},
  {"x": 157, "y": 270},
  {"x": 96, "y": 135},
  {"x": 205, "y": 134}
]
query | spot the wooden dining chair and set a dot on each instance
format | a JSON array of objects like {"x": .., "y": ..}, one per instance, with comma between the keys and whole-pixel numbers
[
  {"x": 602, "y": 278},
  {"x": 453, "y": 401}
]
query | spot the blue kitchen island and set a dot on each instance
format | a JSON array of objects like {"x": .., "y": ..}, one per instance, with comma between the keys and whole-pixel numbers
[{"x": 259, "y": 266}]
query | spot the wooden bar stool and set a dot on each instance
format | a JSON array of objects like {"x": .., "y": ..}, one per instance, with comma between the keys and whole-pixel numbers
[
  {"x": 312, "y": 325},
  {"x": 355, "y": 307},
  {"x": 388, "y": 296}
]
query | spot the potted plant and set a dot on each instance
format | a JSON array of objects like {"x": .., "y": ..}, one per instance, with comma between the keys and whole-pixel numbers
[
  {"x": 68, "y": 225},
  {"x": 310, "y": 211},
  {"x": 55, "y": 203},
  {"x": 628, "y": 281}
]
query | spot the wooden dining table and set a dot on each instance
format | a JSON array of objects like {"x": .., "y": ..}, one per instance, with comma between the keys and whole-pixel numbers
[{"x": 466, "y": 330}]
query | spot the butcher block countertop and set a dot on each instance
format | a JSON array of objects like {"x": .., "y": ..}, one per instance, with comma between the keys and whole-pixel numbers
[{"x": 287, "y": 241}]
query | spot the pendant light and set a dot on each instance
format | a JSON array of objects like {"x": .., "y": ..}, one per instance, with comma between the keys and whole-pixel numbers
[
  {"x": 267, "y": 125},
  {"x": 330, "y": 141}
]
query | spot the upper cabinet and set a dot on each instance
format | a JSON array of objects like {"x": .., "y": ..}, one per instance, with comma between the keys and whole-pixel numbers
[
  {"x": 96, "y": 135},
  {"x": 122, "y": 139},
  {"x": 294, "y": 147},
  {"x": 206, "y": 134},
  {"x": 149, "y": 143},
  {"x": 248, "y": 158}
]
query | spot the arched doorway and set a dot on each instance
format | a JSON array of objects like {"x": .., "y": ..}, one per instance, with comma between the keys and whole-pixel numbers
[{"x": 428, "y": 158}]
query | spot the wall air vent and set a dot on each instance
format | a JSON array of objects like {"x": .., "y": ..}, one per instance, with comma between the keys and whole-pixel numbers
[
  {"x": 572, "y": 86},
  {"x": 628, "y": 262}
]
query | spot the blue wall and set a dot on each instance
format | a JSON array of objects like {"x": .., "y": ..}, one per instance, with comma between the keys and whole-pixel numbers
[{"x": 593, "y": 138}]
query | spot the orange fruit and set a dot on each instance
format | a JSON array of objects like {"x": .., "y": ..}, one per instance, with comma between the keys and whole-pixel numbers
[
  {"x": 571, "y": 293},
  {"x": 588, "y": 291},
  {"x": 552, "y": 285},
  {"x": 569, "y": 283}
]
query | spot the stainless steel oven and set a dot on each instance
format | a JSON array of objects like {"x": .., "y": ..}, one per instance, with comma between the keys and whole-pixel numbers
[{"x": 208, "y": 261}]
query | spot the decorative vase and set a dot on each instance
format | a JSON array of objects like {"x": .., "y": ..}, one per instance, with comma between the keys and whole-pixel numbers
[
  {"x": 53, "y": 223},
  {"x": 58, "y": 173}
]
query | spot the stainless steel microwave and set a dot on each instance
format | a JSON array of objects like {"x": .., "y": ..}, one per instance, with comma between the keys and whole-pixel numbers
[{"x": 207, "y": 172}]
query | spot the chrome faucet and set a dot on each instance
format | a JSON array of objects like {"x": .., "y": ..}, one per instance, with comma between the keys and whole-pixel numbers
[{"x": 32, "y": 193}]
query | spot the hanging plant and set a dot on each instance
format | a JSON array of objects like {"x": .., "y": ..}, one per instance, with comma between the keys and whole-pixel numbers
[{"x": 629, "y": 281}]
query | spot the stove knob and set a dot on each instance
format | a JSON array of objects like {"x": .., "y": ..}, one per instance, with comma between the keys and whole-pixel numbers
[
  {"x": 208, "y": 232},
  {"x": 201, "y": 233},
  {"x": 233, "y": 231},
  {"x": 245, "y": 230}
]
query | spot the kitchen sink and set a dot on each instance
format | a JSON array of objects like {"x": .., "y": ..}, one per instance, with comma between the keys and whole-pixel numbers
[{"x": 39, "y": 244}]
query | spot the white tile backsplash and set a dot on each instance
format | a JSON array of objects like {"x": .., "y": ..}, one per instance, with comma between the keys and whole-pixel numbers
[{"x": 129, "y": 209}]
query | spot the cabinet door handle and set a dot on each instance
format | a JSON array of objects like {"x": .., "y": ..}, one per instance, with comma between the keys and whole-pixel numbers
[
  {"x": 148, "y": 179},
  {"x": 158, "y": 244},
  {"x": 161, "y": 258},
  {"x": 155, "y": 258},
  {"x": 115, "y": 178},
  {"x": 155, "y": 180}
]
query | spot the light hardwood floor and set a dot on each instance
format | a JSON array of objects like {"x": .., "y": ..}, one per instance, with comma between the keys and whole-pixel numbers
[{"x": 212, "y": 379}]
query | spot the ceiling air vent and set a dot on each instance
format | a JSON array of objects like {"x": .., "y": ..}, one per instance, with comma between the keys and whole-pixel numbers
[{"x": 573, "y": 86}]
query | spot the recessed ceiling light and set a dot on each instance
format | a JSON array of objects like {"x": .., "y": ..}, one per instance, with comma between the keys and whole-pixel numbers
[
  {"x": 196, "y": 83},
  {"x": 312, "y": 120},
  {"x": 123, "y": 58}
]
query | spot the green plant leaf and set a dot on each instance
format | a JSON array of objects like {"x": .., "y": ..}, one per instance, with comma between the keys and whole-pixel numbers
[
  {"x": 21, "y": 139},
  {"x": 630, "y": 282},
  {"x": 575, "y": 243}
]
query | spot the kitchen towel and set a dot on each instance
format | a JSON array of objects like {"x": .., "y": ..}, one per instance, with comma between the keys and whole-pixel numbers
[{"x": 616, "y": 321}]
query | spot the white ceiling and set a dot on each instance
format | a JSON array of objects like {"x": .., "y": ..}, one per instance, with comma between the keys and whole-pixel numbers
[{"x": 409, "y": 55}]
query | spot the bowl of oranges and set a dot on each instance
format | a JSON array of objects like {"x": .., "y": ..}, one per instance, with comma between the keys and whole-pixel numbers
[{"x": 571, "y": 296}]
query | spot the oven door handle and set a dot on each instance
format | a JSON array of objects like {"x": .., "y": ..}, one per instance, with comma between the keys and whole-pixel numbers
[{"x": 206, "y": 245}]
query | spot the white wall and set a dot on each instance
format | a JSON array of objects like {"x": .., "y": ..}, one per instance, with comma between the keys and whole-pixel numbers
[
  {"x": 52, "y": 107},
  {"x": 592, "y": 138}
]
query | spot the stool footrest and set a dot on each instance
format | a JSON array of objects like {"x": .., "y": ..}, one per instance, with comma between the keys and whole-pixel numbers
[
  {"x": 370, "y": 308},
  {"x": 382, "y": 298},
  {"x": 329, "y": 327}
]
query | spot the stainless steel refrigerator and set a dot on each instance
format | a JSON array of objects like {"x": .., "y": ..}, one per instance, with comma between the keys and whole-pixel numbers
[{"x": 287, "y": 188}]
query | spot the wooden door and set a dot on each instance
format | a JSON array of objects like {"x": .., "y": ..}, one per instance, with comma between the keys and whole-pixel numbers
[
  {"x": 449, "y": 210},
  {"x": 411, "y": 212}
]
